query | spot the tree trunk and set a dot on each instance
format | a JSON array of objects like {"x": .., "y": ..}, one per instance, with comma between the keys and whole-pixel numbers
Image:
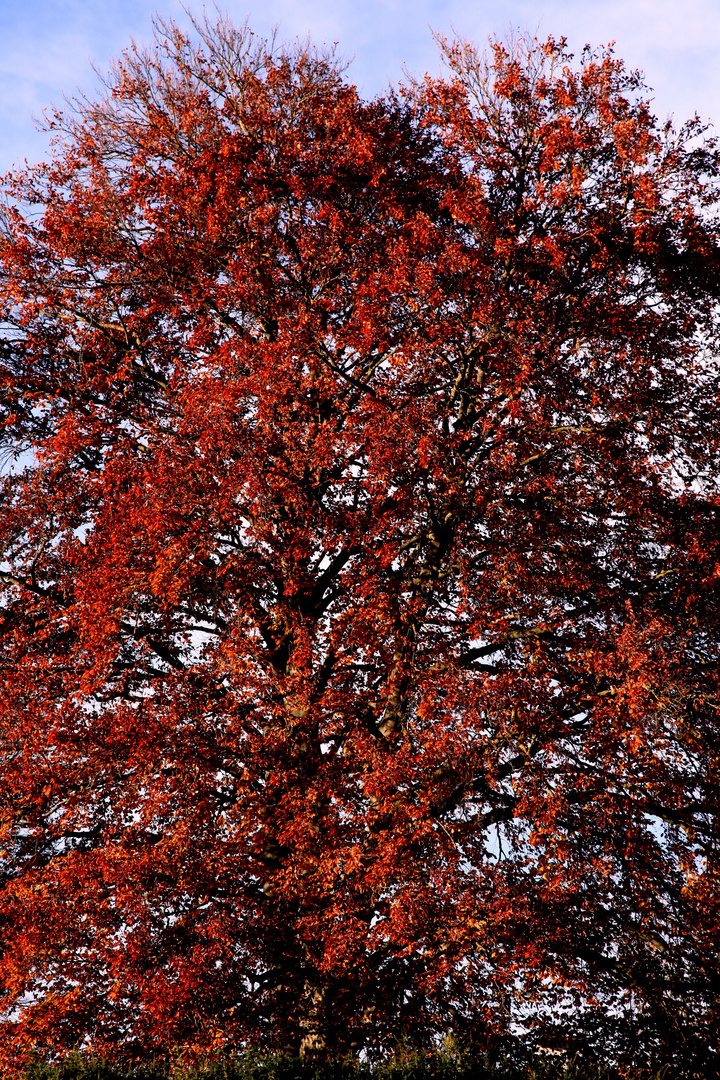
[{"x": 313, "y": 1022}]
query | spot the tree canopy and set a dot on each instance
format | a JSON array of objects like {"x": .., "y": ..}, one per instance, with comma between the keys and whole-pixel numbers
[{"x": 360, "y": 559}]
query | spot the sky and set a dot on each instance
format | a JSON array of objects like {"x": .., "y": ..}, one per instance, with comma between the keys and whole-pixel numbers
[{"x": 48, "y": 47}]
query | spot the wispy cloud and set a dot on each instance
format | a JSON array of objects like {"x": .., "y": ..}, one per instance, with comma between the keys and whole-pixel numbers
[{"x": 48, "y": 45}]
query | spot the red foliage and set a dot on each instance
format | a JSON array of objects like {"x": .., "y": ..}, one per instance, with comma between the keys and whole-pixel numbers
[{"x": 360, "y": 630}]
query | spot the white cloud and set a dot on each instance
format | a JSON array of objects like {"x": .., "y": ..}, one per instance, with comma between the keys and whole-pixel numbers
[{"x": 48, "y": 44}]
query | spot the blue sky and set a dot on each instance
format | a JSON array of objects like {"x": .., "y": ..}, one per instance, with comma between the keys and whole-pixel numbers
[{"x": 47, "y": 45}]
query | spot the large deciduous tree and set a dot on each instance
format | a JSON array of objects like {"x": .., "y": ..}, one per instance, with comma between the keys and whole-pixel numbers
[{"x": 359, "y": 632}]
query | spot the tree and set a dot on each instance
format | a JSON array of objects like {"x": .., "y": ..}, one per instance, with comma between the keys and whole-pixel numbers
[{"x": 359, "y": 627}]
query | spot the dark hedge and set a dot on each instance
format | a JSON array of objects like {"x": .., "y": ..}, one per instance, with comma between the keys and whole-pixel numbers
[{"x": 414, "y": 1066}]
